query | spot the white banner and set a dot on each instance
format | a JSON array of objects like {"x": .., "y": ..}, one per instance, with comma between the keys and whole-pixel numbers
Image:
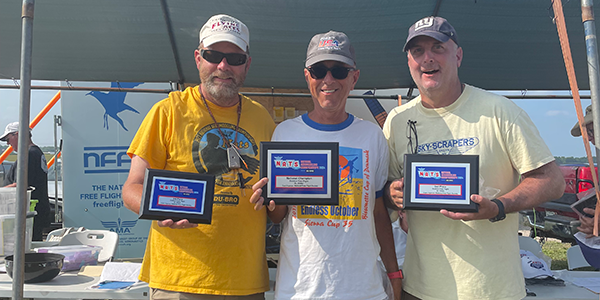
[{"x": 97, "y": 128}]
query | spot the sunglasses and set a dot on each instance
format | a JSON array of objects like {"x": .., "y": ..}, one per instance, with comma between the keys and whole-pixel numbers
[
  {"x": 215, "y": 57},
  {"x": 320, "y": 71}
]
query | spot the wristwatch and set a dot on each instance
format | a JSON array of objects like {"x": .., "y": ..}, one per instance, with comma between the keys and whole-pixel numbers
[{"x": 501, "y": 215}]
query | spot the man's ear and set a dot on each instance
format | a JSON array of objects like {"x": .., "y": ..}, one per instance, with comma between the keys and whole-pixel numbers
[{"x": 459, "y": 56}]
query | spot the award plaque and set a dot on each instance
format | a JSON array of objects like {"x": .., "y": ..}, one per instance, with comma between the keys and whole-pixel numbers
[
  {"x": 434, "y": 182},
  {"x": 300, "y": 173},
  {"x": 177, "y": 195}
]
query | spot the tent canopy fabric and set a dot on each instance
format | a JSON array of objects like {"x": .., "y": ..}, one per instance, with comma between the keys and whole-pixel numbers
[{"x": 508, "y": 44}]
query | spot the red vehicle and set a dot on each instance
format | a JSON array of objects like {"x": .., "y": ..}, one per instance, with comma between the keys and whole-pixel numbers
[{"x": 555, "y": 218}]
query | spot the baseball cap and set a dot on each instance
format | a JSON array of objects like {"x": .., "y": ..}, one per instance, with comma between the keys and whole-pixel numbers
[
  {"x": 332, "y": 45},
  {"x": 590, "y": 248},
  {"x": 10, "y": 128},
  {"x": 589, "y": 118},
  {"x": 224, "y": 28},
  {"x": 533, "y": 266},
  {"x": 435, "y": 27}
]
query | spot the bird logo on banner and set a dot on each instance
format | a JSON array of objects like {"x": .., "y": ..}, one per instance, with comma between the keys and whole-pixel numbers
[{"x": 114, "y": 102}]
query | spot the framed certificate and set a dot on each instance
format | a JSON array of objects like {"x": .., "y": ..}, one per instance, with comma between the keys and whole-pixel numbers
[
  {"x": 300, "y": 173},
  {"x": 434, "y": 182},
  {"x": 177, "y": 195}
]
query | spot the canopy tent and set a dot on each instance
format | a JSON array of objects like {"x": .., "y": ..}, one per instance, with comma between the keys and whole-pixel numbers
[{"x": 508, "y": 44}]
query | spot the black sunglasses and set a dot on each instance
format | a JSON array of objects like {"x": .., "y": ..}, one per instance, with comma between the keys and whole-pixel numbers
[
  {"x": 320, "y": 71},
  {"x": 215, "y": 57}
]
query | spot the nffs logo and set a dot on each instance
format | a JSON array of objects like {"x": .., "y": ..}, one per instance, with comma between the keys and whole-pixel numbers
[
  {"x": 120, "y": 227},
  {"x": 110, "y": 159}
]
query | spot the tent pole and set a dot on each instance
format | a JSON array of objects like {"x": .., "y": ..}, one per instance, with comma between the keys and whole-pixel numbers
[
  {"x": 23, "y": 151},
  {"x": 589, "y": 26}
]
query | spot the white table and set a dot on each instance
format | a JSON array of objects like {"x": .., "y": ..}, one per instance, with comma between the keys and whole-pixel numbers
[
  {"x": 567, "y": 292},
  {"x": 69, "y": 285}
]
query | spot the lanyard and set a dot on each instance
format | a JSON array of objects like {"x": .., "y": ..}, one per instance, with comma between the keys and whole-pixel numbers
[{"x": 239, "y": 114}]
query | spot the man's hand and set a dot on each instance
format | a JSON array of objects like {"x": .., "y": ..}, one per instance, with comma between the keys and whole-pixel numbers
[
  {"x": 394, "y": 194},
  {"x": 181, "y": 224},
  {"x": 487, "y": 210},
  {"x": 257, "y": 198},
  {"x": 397, "y": 287},
  {"x": 587, "y": 224}
]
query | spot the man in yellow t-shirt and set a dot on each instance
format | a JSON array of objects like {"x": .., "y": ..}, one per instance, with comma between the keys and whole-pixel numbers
[
  {"x": 191, "y": 131},
  {"x": 452, "y": 255}
]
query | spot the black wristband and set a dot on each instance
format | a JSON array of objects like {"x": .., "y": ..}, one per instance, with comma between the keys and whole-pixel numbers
[{"x": 501, "y": 214}]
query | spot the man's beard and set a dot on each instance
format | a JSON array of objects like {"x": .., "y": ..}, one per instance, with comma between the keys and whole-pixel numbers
[{"x": 223, "y": 90}]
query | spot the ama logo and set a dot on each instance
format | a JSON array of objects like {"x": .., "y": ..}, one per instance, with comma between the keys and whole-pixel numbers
[
  {"x": 114, "y": 102},
  {"x": 119, "y": 227}
]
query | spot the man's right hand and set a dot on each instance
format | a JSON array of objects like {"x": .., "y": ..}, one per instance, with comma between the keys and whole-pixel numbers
[
  {"x": 395, "y": 194},
  {"x": 181, "y": 224}
]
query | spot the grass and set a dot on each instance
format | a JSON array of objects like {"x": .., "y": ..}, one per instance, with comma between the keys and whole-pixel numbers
[{"x": 558, "y": 252}]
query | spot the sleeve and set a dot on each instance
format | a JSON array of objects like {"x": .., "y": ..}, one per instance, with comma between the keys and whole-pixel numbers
[
  {"x": 381, "y": 172},
  {"x": 395, "y": 162},
  {"x": 526, "y": 148},
  {"x": 151, "y": 140}
]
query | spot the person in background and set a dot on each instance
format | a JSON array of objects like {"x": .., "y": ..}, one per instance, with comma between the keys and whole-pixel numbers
[
  {"x": 37, "y": 177},
  {"x": 587, "y": 224},
  {"x": 452, "y": 255},
  {"x": 327, "y": 253},
  {"x": 192, "y": 131}
]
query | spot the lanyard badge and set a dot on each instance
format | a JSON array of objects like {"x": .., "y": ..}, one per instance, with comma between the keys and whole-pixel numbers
[{"x": 233, "y": 158}]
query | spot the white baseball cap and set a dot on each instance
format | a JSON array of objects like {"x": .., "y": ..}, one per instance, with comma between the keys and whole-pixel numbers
[
  {"x": 224, "y": 28},
  {"x": 10, "y": 128},
  {"x": 534, "y": 267}
]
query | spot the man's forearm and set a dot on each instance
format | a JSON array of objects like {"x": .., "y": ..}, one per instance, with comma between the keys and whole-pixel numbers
[
  {"x": 132, "y": 196},
  {"x": 385, "y": 237},
  {"x": 541, "y": 185}
]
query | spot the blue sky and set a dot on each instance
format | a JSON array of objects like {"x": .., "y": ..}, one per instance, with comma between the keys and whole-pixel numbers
[{"x": 554, "y": 118}]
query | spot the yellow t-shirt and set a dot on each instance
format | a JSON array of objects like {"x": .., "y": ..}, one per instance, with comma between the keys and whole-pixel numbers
[
  {"x": 450, "y": 259},
  {"x": 226, "y": 257}
]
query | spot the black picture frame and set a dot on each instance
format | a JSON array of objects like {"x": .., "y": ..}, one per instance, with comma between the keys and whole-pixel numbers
[
  {"x": 300, "y": 173},
  {"x": 434, "y": 182},
  {"x": 177, "y": 195}
]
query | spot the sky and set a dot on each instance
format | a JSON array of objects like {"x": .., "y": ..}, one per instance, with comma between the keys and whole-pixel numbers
[{"x": 554, "y": 118}]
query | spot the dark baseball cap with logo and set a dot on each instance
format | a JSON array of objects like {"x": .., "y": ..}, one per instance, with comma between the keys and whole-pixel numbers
[
  {"x": 434, "y": 27},
  {"x": 332, "y": 45}
]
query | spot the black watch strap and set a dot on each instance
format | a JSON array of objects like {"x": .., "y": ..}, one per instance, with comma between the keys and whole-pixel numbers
[{"x": 501, "y": 214}]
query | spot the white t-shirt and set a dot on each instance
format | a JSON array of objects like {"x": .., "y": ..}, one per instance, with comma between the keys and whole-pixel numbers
[
  {"x": 448, "y": 259},
  {"x": 330, "y": 252}
]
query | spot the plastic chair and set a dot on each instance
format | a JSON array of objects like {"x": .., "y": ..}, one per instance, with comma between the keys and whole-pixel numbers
[
  {"x": 575, "y": 258},
  {"x": 57, "y": 234},
  {"x": 108, "y": 240},
  {"x": 531, "y": 245}
]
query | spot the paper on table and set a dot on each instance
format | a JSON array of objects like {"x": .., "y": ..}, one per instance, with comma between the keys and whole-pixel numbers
[
  {"x": 591, "y": 284},
  {"x": 117, "y": 271}
]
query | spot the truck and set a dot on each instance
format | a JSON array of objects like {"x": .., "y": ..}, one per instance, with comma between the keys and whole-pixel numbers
[{"x": 556, "y": 219}]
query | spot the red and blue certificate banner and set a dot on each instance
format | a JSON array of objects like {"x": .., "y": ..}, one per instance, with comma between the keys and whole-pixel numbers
[
  {"x": 434, "y": 182},
  {"x": 177, "y": 195},
  {"x": 300, "y": 173}
]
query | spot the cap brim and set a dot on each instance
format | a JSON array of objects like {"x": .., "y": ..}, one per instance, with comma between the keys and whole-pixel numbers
[
  {"x": 213, "y": 39},
  {"x": 576, "y": 131},
  {"x": 4, "y": 137},
  {"x": 433, "y": 34},
  {"x": 323, "y": 57}
]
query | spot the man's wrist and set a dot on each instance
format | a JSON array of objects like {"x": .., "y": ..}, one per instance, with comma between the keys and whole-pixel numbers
[
  {"x": 501, "y": 213},
  {"x": 397, "y": 274}
]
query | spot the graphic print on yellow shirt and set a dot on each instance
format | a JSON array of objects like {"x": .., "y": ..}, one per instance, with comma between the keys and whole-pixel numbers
[
  {"x": 350, "y": 178},
  {"x": 210, "y": 157}
]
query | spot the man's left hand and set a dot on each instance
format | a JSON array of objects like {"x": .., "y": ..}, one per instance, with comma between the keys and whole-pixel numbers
[
  {"x": 397, "y": 287},
  {"x": 487, "y": 210}
]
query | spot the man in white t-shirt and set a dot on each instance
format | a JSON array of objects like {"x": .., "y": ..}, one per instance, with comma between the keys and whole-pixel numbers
[
  {"x": 330, "y": 252},
  {"x": 451, "y": 255}
]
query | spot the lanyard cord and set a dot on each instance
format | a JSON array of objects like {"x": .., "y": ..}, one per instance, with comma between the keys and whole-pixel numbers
[{"x": 239, "y": 114}]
